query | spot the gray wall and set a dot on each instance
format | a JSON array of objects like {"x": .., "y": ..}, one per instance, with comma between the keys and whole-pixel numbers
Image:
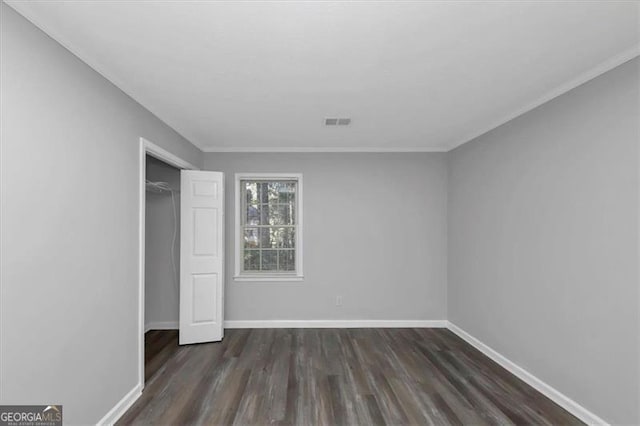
[
  {"x": 543, "y": 242},
  {"x": 161, "y": 285},
  {"x": 69, "y": 227},
  {"x": 374, "y": 233}
]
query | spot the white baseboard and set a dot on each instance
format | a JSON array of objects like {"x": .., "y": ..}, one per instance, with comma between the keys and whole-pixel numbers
[
  {"x": 122, "y": 406},
  {"x": 161, "y": 325},
  {"x": 553, "y": 394},
  {"x": 173, "y": 325},
  {"x": 337, "y": 324}
]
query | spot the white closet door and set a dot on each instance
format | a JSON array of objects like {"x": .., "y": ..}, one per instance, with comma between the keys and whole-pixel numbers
[{"x": 201, "y": 256}]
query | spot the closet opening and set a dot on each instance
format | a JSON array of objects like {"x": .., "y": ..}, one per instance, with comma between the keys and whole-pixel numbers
[
  {"x": 162, "y": 263},
  {"x": 159, "y": 257}
]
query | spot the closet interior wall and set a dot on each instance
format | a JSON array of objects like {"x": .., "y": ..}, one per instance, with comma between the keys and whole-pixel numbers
[{"x": 161, "y": 275}]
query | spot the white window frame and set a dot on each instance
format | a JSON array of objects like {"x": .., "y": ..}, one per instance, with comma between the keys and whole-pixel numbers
[{"x": 239, "y": 275}]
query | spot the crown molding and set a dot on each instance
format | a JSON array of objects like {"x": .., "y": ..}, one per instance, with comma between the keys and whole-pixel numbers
[
  {"x": 299, "y": 149},
  {"x": 586, "y": 76}
]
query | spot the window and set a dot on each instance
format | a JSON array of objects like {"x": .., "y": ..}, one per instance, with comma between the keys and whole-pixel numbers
[{"x": 268, "y": 227}]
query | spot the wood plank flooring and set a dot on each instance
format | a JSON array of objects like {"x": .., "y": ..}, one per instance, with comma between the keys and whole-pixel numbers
[
  {"x": 159, "y": 346},
  {"x": 333, "y": 377}
]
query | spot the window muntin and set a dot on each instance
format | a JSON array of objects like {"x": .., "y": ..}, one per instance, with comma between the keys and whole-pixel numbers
[{"x": 268, "y": 226}]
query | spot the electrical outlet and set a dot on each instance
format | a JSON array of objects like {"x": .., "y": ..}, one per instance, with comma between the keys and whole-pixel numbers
[{"x": 338, "y": 300}]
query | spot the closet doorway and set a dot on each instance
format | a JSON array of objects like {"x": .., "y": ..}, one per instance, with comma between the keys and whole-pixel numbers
[
  {"x": 162, "y": 263},
  {"x": 181, "y": 264}
]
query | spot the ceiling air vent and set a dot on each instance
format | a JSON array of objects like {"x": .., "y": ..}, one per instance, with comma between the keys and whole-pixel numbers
[{"x": 337, "y": 121}]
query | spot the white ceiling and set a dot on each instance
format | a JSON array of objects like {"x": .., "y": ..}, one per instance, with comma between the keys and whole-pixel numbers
[{"x": 262, "y": 76}]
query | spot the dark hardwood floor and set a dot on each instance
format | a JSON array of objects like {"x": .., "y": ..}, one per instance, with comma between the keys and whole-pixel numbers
[
  {"x": 333, "y": 377},
  {"x": 159, "y": 346}
]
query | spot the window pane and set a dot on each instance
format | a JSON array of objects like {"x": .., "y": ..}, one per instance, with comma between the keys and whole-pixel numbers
[
  {"x": 285, "y": 191},
  {"x": 280, "y": 214},
  {"x": 250, "y": 192},
  {"x": 273, "y": 237},
  {"x": 286, "y": 238},
  {"x": 251, "y": 238},
  {"x": 252, "y": 260},
  {"x": 266, "y": 238},
  {"x": 269, "y": 260},
  {"x": 287, "y": 260},
  {"x": 266, "y": 192},
  {"x": 252, "y": 216}
]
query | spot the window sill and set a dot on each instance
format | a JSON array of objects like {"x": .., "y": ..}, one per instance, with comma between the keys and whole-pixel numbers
[{"x": 272, "y": 278}]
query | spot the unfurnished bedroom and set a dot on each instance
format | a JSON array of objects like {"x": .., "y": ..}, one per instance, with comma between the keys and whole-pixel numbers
[{"x": 319, "y": 213}]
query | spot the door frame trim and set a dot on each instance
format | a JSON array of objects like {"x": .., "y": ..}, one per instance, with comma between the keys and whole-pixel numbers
[{"x": 147, "y": 147}]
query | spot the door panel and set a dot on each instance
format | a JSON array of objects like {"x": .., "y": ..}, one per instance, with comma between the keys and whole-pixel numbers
[{"x": 204, "y": 298}]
